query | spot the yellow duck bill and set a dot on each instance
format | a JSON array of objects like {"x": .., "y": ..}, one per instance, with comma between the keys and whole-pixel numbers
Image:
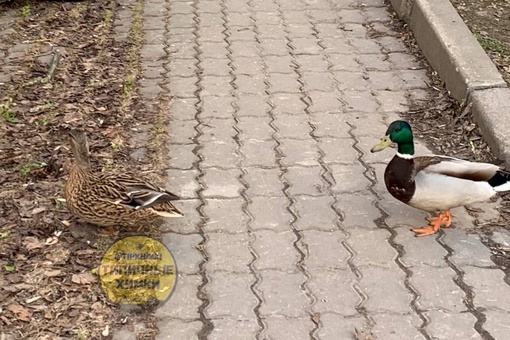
[{"x": 383, "y": 144}]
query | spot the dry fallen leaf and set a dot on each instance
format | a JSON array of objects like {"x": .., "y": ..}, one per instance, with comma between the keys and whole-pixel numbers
[
  {"x": 83, "y": 278},
  {"x": 52, "y": 273},
  {"x": 21, "y": 312},
  {"x": 32, "y": 243},
  {"x": 51, "y": 240}
]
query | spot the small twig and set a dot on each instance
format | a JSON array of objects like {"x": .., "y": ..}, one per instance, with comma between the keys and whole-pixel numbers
[
  {"x": 466, "y": 110},
  {"x": 51, "y": 70}
]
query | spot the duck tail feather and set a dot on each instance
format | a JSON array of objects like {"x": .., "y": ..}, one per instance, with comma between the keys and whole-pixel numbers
[{"x": 500, "y": 181}]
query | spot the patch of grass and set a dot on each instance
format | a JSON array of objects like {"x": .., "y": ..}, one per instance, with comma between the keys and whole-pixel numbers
[
  {"x": 490, "y": 44},
  {"x": 6, "y": 112},
  {"x": 107, "y": 17},
  {"x": 27, "y": 169},
  {"x": 10, "y": 268},
  {"x": 26, "y": 11}
]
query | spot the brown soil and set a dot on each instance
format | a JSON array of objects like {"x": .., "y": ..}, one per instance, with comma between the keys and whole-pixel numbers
[
  {"x": 489, "y": 20},
  {"x": 47, "y": 286}
]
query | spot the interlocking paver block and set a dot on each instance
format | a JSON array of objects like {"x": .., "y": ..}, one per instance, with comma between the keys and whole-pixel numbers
[
  {"x": 230, "y": 295},
  {"x": 465, "y": 245},
  {"x": 248, "y": 65},
  {"x": 183, "y": 87},
  {"x": 184, "y": 251},
  {"x": 271, "y": 32},
  {"x": 334, "y": 292},
  {"x": 225, "y": 215},
  {"x": 299, "y": 152},
  {"x": 325, "y": 250},
  {"x": 279, "y": 327},
  {"x": 220, "y": 155},
  {"x": 181, "y": 156},
  {"x": 178, "y": 329},
  {"x": 491, "y": 291},
  {"x": 391, "y": 296},
  {"x": 315, "y": 213},
  {"x": 252, "y": 105},
  {"x": 286, "y": 83},
  {"x": 184, "y": 302},
  {"x": 255, "y": 128},
  {"x": 282, "y": 294},
  {"x": 305, "y": 181},
  {"x": 264, "y": 182},
  {"x": 187, "y": 224},
  {"x": 217, "y": 130},
  {"x": 363, "y": 101},
  {"x": 226, "y": 329},
  {"x": 397, "y": 327},
  {"x": 289, "y": 127},
  {"x": 258, "y": 153},
  {"x": 338, "y": 150},
  {"x": 216, "y": 85},
  {"x": 372, "y": 248},
  {"x": 274, "y": 47},
  {"x": 288, "y": 103},
  {"x": 437, "y": 289},
  {"x": 334, "y": 326},
  {"x": 270, "y": 213},
  {"x": 251, "y": 84},
  {"x": 217, "y": 107},
  {"x": 446, "y": 325},
  {"x": 422, "y": 251},
  {"x": 353, "y": 217},
  {"x": 275, "y": 250},
  {"x": 228, "y": 253},
  {"x": 497, "y": 323},
  {"x": 215, "y": 67},
  {"x": 183, "y": 109},
  {"x": 327, "y": 102},
  {"x": 348, "y": 178},
  {"x": 222, "y": 183},
  {"x": 182, "y": 182}
]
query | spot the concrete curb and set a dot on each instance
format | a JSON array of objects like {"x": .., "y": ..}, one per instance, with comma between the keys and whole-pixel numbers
[{"x": 461, "y": 62}]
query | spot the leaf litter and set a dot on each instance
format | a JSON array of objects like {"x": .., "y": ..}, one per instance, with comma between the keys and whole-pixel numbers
[{"x": 47, "y": 283}]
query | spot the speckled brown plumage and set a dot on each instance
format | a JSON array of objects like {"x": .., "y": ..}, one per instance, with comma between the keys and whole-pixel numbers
[{"x": 112, "y": 199}]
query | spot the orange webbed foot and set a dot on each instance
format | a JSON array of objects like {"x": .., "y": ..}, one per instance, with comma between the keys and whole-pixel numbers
[{"x": 444, "y": 219}]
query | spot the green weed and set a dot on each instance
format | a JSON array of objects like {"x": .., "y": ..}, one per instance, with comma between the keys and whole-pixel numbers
[
  {"x": 491, "y": 44},
  {"x": 27, "y": 169},
  {"x": 26, "y": 11},
  {"x": 6, "y": 112}
]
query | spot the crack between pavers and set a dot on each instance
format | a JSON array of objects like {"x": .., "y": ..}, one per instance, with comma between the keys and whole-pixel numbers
[
  {"x": 381, "y": 223},
  {"x": 245, "y": 186},
  {"x": 315, "y": 318},
  {"x": 207, "y": 325},
  {"x": 469, "y": 294}
]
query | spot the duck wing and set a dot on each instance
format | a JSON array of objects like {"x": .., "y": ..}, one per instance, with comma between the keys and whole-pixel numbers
[
  {"x": 131, "y": 191},
  {"x": 454, "y": 167}
]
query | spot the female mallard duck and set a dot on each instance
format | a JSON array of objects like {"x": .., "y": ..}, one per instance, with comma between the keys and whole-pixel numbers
[
  {"x": 112, "y": 199},
  {"x": 436, "y": 183}
]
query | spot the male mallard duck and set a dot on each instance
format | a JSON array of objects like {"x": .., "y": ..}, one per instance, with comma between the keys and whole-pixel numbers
[
  {"x": 436, "y": 183},
  {"x": 112, "y": 199}
]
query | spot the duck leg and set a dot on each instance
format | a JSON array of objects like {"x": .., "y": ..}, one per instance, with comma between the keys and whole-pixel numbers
[{"x": 444, "y": 219}]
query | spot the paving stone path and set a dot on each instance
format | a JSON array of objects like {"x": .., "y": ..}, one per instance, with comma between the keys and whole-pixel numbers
[{"x": 289, "y": 232}]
